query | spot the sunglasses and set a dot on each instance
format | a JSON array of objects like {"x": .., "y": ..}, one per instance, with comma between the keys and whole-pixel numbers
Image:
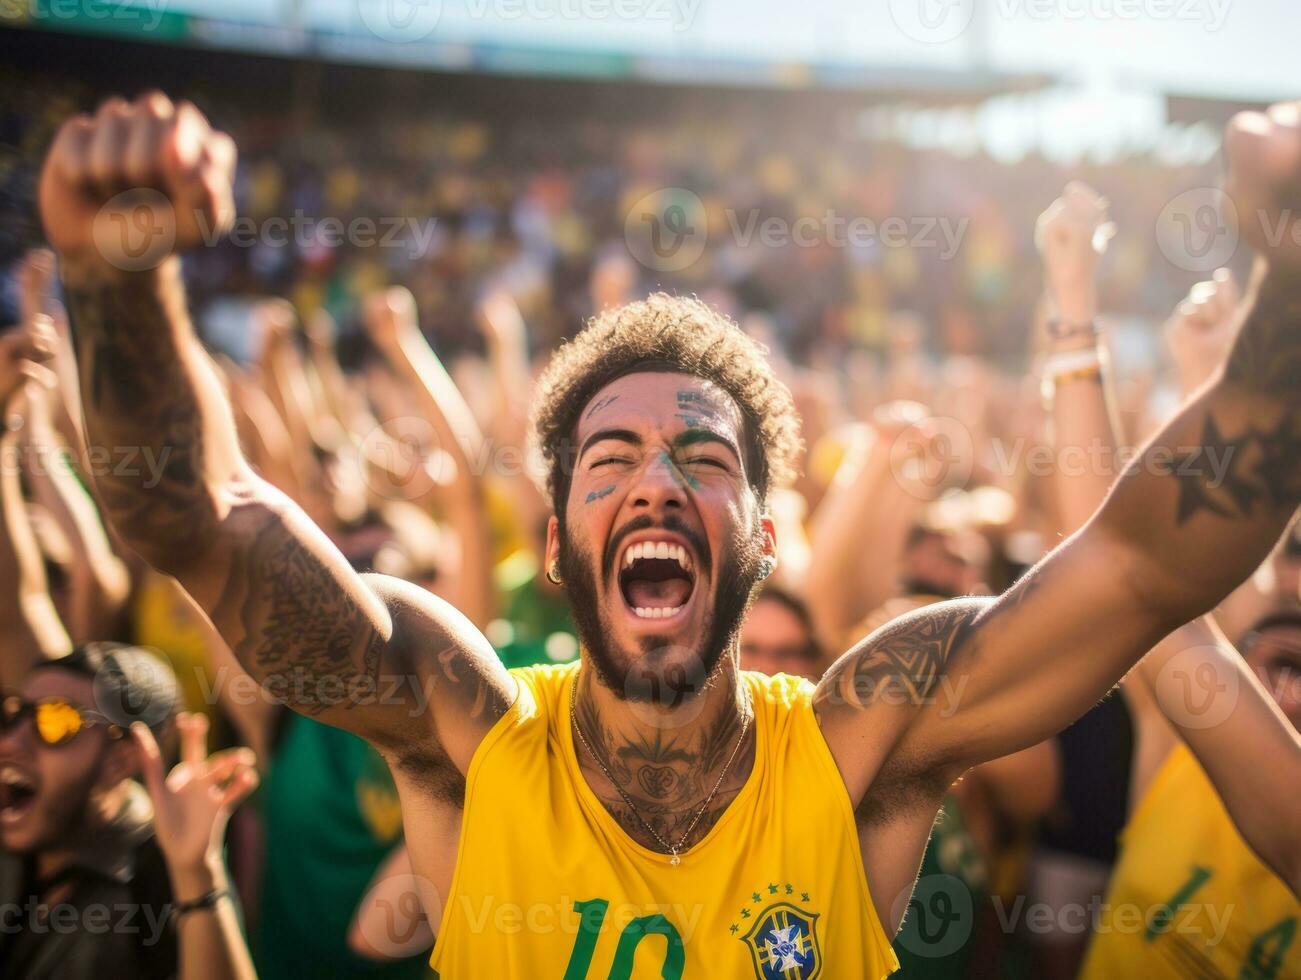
[{"x": 57, "y": 720}]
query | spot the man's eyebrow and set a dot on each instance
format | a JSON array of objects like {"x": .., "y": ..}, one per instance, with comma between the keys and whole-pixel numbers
[
  {"x": 694, "y": 435},
  {"x": 618, "y": 435}
]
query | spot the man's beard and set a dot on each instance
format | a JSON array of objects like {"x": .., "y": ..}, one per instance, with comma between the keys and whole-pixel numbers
[{"x": 631, "y": 678}]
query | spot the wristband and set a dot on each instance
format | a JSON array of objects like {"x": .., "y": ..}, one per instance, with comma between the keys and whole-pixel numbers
[
  {"x": 1069, "y": 366},
  {"x": 1059, "y": 329},
  {"x": 204, "y": 901}
]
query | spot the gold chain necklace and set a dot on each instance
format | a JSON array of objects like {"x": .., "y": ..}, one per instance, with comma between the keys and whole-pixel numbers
[{"x": 673, "y": 849}]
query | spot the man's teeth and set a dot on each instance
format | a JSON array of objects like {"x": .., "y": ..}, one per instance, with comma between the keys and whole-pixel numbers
[
  {"x": 657, "y": 549},
  {"x": 12, "y": 776},
  {"x": 655, "y": 612}
]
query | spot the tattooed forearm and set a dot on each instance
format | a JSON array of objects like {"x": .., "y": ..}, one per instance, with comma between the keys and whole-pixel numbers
[{"x": 136, "y": 393}]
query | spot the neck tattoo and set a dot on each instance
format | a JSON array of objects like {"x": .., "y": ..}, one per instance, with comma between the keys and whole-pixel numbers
[{"x": 674, "y": 850}]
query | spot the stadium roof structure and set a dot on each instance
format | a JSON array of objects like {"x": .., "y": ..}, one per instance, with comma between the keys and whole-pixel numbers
[{"x": 166, "y": 25}]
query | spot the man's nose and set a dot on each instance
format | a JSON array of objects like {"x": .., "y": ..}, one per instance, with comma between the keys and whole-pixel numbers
[{"x": 661, "y": 485}]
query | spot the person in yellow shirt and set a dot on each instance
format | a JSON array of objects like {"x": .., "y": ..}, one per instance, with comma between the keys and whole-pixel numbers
[
  {"x": 1209, "y": 870},
  {"x": 652, "y": 810}
]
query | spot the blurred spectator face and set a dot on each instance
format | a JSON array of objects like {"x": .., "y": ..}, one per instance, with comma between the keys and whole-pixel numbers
[
  {"x": 662, "y": 540},
  {"x": 1274, "y": 653},
  {"x": 932, "y": 567},
  {"x": 48, "y": 793},
  {"x": 775, "y": 640}
]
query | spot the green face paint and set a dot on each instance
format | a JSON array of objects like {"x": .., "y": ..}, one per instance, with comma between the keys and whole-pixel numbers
[
  {"x": 599, "y": 494},
  {"x": 680, "y": 476}
]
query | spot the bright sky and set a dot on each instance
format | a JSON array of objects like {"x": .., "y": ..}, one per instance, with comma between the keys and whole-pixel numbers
[{"x": 1230, "y": 48}]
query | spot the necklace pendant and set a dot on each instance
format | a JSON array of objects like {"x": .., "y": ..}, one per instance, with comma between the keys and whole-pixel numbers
[{"x": 675, "y": 860}]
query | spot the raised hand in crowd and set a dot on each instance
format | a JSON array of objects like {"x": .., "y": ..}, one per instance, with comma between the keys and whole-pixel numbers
[{"x": 192, "y": 805}]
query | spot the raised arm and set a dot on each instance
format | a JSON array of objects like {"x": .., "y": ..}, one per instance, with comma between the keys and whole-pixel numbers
[
  {"x": 1243, "y": 741},
  {"x": 376, "y": 656},
  {"x": 29, "y": 622},
  {"x": 392, "y": 324},
  {"x": 1247, "y": 746},
  {"x": 1191, "y": 517}
]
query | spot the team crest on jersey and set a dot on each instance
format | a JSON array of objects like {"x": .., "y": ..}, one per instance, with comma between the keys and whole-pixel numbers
[{"x": 783, "y": 942}]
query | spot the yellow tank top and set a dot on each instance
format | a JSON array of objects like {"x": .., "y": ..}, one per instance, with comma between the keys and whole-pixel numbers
[
  {"x": 548, "y": 885},
  {"x": 1188, "y": 898}
]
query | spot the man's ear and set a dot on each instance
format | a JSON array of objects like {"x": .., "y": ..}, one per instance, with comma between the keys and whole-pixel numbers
[
  {"x": 553, "y": 543},
  {"x": 769, "y": 537}
]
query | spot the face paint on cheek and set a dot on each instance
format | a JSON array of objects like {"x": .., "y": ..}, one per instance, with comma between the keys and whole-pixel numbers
[{"x": 599, "y": 494}]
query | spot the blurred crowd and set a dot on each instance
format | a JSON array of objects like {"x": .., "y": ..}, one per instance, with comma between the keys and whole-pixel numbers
[{"x": 385, "y": 388}]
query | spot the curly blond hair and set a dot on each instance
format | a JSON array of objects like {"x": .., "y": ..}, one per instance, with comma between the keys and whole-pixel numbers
[{"x": 671, "y": 334}]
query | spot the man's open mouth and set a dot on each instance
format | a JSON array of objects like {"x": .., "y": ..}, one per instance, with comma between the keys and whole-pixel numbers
[
  {"x": 17, "y": 793},
  {"x": 657, "y": 578}
]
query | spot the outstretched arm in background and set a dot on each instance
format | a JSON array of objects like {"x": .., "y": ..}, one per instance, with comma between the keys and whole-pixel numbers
[
  {"x": 861, "y": 527},
  {"x": 1189, "y": 519},
  {"x": 353, "y": 651},
  {"x": 391, "y": 322},
  {"x": 29, "y": 623}
]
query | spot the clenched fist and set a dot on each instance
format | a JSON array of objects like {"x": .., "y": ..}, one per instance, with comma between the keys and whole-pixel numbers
[
  {"x": 1264, "y": 179},
  {"x": 1071, "y": 235},
  {"x": 136, "y": 183}
]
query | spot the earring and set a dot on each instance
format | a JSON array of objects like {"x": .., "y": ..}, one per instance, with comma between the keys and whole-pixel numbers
[
  {"x": 767, "y": 567},
  {"x": 553, "y": 573}
]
